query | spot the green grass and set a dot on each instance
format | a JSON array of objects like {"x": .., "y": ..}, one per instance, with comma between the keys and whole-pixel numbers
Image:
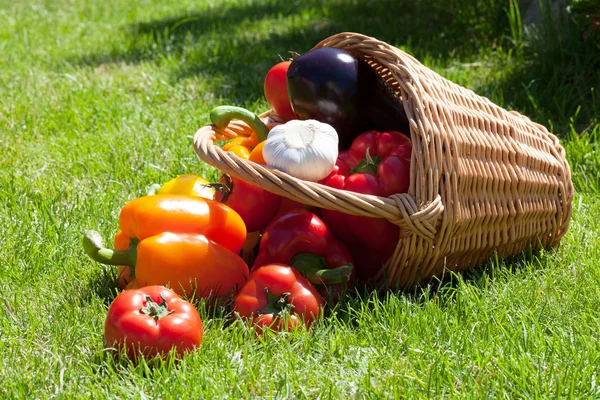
[{"x": 99, "y": 99}]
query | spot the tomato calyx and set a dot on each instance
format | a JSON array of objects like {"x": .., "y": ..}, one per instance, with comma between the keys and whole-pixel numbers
[
  {"x": 93, "y": 245},
  {"x": 313, "y": 268},
  {"x": 367, "y": 164},
  {"x": 277, "y": 305},
  {"x": 154, "y": 309}
]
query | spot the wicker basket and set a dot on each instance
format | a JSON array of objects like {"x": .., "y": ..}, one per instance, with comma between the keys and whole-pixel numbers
[{"x": 483, "y": 180}]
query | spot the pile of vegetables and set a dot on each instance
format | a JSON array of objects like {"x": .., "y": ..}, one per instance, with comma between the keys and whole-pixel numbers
[{"x": 279, "y": 262}]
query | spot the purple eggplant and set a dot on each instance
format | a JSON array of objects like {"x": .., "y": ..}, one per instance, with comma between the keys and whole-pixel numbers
[{"x": 333, "y": 86}]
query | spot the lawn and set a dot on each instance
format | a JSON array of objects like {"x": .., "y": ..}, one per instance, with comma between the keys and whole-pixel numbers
[{"x": 98, "y": 100}]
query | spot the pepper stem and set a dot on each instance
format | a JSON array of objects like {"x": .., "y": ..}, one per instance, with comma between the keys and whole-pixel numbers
[
  {"x": 223, "y": 188},
  {"x": 154, "y": 309},
  {"x": 277, "y": 305},
  {"x": 222, "y": 115},
  {"x": 94, "y": 248},
  {"x": 367, "y": 164},
  {"x": 314, "y": 269}
]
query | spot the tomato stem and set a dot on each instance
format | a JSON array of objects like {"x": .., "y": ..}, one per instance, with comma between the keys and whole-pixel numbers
[
  {"x": 222, "y": 115},
  {"x": 154, "y": 309},
  {"x": 93, "y": 245},
  {"x": 277, "y": 305},
  {"x": 314, "y": 269}
]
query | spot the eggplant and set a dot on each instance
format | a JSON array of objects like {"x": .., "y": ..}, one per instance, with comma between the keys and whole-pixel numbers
[{"x": 335, "y": 87}]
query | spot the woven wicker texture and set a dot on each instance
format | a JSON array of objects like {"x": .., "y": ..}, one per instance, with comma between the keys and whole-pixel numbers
[{"x": 483, "y": 180}]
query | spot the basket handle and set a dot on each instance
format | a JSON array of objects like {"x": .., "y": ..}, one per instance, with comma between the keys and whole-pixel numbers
[{"x": 401, "y": 209}]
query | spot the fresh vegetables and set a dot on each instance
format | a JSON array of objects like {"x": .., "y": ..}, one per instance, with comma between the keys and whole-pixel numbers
[
  {"x": 186, "y": 242},
  {"x": 152, "y": 321},
  {"x": 255, "y": 205},
  {"x": 301, "y": 239},
  {"x": 276, "y": 93},
  {"x": 304, "y": 149},
  {"x": 335, "y": 87},
  {"x": 189, "y": 184},
  {"x": 377, "y": 163},
  {"x": 277, "y": 297},
  {"x": 180, "y": 237}
]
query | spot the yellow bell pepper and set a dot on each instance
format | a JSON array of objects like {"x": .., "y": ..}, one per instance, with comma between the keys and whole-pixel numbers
[{"x": 189, "y": 184}]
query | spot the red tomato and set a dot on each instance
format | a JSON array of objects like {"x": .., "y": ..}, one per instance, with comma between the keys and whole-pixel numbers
[
  {"x": 151, "y": 321},
  {"x": 276, "y": 296},
  {"x": 276, "y": 90}
]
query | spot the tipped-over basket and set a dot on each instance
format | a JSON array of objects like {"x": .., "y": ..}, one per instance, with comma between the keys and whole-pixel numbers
[{"x": 483, "y": 180}]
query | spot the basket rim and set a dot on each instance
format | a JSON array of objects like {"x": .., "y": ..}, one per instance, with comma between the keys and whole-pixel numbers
[{"x": 402, "y": 209}]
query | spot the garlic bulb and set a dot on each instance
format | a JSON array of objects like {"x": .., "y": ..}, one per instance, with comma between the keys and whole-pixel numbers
[{"x": 305, "y": 149}]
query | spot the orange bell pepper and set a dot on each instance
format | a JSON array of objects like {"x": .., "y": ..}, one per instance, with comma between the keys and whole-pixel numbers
[
  {"x": 256, "y": 155},
  {"x": 188, "y": 243},
  {"x": 241, "y": 146}
]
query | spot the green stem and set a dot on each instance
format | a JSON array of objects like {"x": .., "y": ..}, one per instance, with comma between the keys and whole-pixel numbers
[
  {"x": 314, "y": 269},
  {"x": 94, "y": 248},
  {"x": 156, "y": 310},
  {"x": 367, "y": 164},
  {"x": 277, "y": 305},
  {"x": 223, "y": 188},
  {"x": 222, "y": 115}
]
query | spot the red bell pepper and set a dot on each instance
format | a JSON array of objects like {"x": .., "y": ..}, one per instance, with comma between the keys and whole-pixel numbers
[
  {"x": 256, "y": 206},
  {"x": 377, "y": 163},
  {"x": 301, "y": 239}
]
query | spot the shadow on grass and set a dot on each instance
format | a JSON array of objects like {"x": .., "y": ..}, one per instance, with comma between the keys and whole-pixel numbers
[
  {"x": 441, "y": 291},
  {"x": 555, "y": 75},
  {"x": 233, "y": 46},
  {"x": 102, "y": 285}
]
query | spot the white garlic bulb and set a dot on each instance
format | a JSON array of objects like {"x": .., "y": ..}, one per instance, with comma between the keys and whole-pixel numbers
[{"x": 306, "y": 149}]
